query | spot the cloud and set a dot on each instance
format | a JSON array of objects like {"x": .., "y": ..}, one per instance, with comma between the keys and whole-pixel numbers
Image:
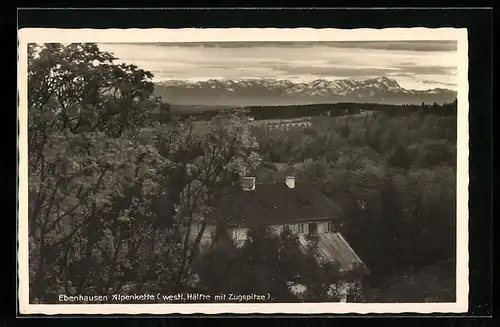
[
  {"x": 437, "y": 82},
  {"x": 425, "y": 46},
  {"x": 427, "y": 70},
  {"x": 335, "y": 71},
  {"x": 441, "y": 45},
  {"x": 365, "y": 71}
]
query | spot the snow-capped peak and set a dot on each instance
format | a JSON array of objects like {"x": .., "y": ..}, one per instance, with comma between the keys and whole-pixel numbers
[{"x": 372, "y": 89}]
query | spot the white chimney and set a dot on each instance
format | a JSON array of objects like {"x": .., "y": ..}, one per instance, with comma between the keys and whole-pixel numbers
[
  {"x": 248, "y": 183},
  {"x": 290, "y": 181}
]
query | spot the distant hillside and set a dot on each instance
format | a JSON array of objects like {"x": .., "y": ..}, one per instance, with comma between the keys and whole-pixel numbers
[
  {"x": 325, "y": 109},
  {"x": 256, "y": 92}
]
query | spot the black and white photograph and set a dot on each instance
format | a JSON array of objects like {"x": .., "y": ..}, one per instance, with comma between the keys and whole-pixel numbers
[{"x": 243, "y": 171}]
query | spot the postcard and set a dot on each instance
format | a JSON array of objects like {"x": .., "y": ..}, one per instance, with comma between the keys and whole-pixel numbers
[{"x": 259, "y": 170}]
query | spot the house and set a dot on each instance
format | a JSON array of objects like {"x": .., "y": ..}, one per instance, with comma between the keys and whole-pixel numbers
[{"x": 300, "y": 207}]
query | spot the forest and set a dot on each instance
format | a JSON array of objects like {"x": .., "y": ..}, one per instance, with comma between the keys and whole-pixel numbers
[
  {"x": 116, "y": 180},
  {"x": 394, "y": 176}
]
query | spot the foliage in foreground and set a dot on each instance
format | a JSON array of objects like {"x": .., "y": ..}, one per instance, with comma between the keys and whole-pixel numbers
[
  {"x": 114, "y": 182},
  {"x": 434, "y": 283}
]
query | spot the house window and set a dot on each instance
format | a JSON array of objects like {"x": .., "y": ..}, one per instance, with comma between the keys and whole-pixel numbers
[
  {"x": 330, "y": 227},
  {"x": 300, "y": 228}
]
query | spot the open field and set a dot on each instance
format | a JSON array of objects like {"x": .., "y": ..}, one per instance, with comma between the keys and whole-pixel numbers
[
  {"x": 192, "y": 109},
  {"x": 267, "y": 123},
  {"x": 289, "y": 123},
  {"x": 282, "y": 123}
]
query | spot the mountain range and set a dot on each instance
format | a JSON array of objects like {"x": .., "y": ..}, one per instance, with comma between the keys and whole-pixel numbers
[{"x": 381, "y": 90}]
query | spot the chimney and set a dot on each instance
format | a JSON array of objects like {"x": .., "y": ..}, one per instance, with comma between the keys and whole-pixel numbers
[
  {"x": 248, "y": 183},
  {"x": 290, "y": 181}
]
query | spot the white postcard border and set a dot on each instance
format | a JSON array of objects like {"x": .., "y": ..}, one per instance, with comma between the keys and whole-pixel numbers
[{"x": 46, "y": 35}]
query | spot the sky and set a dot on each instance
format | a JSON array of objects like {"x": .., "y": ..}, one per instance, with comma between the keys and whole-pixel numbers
[{"x": 416, "y": 65}]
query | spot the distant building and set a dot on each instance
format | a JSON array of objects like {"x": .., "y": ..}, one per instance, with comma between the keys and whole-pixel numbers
[{"x": 298, "y": 206}]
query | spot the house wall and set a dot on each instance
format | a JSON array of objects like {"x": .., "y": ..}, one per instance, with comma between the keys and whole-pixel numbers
[
  {"x": 240, "y": 233},
  {"x": 322, "y": 227},
  {"x": 207, "y": 233}
]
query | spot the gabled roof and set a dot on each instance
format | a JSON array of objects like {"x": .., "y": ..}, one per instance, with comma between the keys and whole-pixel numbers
[
  {"x": 275, "y": 203},
  {"x": 333, "y": 248}
]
